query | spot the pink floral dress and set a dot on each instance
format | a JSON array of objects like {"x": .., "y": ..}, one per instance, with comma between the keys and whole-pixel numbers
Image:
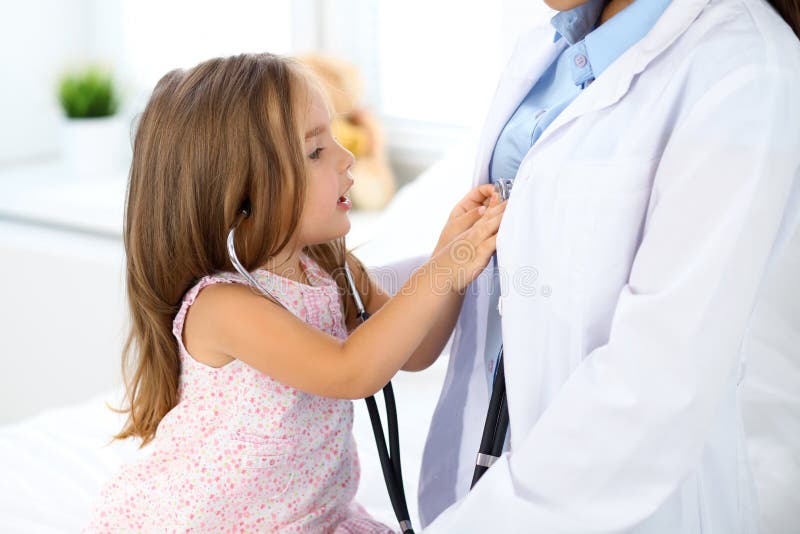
[{"x": 242, "y": 452}]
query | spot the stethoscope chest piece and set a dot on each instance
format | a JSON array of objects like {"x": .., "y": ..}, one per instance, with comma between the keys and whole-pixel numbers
[{"x": 502, "y": 187}]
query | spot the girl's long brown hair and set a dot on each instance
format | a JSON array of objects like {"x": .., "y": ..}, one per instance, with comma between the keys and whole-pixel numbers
[{"x": 224, "y": 133}]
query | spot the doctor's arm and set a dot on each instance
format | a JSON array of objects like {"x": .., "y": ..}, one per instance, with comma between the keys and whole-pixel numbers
[{"x": 630, "y": 423}]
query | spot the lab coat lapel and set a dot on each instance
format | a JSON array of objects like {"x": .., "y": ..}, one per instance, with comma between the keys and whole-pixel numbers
[
  {"x": 534, "y": 53},
  {"x": 612, "y": 84}
]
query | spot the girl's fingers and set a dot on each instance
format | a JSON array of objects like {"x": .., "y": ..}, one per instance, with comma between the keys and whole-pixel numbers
[
  {"x": 495, "y": 209},
  {"x": 490, "y": 222},
  {"x": 476, "y": 212},
  {"x": 494, "y": 206},
  {"x": 471, "y": 216},
  {"x": 464, "y": 222},
  {"x": 483, "y": 230},
  {"x": 476, "y": 197},
  {"x": 479, "y": 194}
]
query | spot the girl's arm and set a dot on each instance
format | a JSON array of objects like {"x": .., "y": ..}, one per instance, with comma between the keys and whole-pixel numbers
[
  {"x": 434, "y": 341},
  {"x": 242, "y": 324},
  {"x": 462, "y": 217}
]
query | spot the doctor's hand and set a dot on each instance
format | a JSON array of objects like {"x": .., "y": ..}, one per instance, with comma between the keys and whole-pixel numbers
[
  {"x": 466, "y": 213},
  {"x": 461, "y": 260}
]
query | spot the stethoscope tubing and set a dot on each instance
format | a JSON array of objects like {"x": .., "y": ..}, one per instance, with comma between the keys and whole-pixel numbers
[
  {"x": 389, "y": 457},
  {"x": 495, "y": 427}
]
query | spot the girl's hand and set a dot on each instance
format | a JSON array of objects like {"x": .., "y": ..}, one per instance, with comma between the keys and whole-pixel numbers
[
  {"x": 459, "y": 262},
  {"x": 465, "y": 214}
]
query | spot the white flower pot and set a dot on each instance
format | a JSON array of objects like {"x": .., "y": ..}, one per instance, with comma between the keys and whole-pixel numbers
[{"x": 92, "y": 148}]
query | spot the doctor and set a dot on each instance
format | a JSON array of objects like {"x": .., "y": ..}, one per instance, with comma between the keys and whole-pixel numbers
[{"x": 655, "y": 148}]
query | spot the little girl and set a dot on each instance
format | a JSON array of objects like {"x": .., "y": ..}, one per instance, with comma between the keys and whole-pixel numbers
[{"x": 246, "y": 403}]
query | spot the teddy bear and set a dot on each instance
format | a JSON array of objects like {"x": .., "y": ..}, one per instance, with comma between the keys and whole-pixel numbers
[{"x": 357, "y": 130}]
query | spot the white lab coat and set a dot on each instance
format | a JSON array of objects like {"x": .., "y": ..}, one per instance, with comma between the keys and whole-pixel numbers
[{"x": 632, "y": 251}]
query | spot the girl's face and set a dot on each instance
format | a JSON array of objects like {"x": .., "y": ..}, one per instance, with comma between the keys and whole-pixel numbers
[{"x": 325, "y": 212}]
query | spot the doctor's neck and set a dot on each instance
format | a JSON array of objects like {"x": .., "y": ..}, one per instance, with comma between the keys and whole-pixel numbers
[{"x": 611, "y": 8}]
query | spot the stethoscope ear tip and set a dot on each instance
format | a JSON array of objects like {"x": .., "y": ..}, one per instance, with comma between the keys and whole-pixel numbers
[{"x": 244, "y": 208}]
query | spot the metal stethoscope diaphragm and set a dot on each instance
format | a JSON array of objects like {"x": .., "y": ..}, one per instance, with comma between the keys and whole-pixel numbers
[{"x": 502, "y": 187}]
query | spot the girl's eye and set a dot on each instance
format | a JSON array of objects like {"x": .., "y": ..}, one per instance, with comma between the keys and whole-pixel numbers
[{"x": 316, "y": 153}]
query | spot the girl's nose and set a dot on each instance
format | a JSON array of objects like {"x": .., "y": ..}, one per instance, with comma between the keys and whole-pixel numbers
[{"x": 347, "y": 161}]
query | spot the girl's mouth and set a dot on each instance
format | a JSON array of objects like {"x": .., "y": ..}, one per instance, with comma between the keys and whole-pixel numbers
[{"x": 343, "y": 203}]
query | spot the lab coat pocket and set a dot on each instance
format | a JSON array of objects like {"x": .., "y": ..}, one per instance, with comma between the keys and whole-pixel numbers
[
  {"x": 606, "y": 177},
  {"x": 268, "y": 464}
]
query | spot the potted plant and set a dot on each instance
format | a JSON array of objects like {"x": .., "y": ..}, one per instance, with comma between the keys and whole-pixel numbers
[{"x": 92, "y": 134}]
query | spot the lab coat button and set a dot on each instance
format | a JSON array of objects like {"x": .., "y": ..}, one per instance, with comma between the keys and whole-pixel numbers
[
  {"x": 490, "y": 366},
  {"x": 580, "y": 61}
]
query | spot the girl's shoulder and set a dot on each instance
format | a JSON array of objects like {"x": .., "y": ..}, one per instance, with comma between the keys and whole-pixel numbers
[
  {"x": 191, "y": 337},
  {"x": 284, "y": 289},
  {"x": 220, "y": 295},
  {"x": 191, "y": 296}
]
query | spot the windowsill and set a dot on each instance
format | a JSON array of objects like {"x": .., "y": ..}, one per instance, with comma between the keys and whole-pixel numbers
[{"x": 46, "y": 194}]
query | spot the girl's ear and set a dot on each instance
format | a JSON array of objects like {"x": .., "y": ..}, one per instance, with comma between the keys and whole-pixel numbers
[{"x": 244, "y": 209}]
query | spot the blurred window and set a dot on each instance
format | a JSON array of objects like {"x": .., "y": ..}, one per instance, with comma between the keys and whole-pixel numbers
[
  {"x": 430, "y": 66},
  {"x": 438, "y": 60},
  {"x": 159, "y": 35}
]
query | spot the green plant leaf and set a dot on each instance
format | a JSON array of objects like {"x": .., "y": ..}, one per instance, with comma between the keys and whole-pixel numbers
[{"x": 87, "y": 93}]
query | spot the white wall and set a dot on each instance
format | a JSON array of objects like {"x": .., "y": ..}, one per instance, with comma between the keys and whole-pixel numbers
[
  {"x": 37, "y": 39},
  {"x": 62, "y": 317}
]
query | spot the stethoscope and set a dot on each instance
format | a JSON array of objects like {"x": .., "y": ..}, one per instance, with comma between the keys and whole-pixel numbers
[
  {"x": 389, "y": 458},
  {"x": 496, "y": 426}
]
